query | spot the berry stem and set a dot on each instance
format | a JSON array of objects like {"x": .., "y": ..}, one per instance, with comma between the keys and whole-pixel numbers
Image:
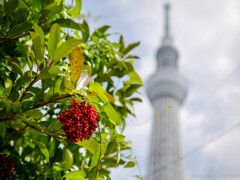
[{"x": 100, "y": 154}]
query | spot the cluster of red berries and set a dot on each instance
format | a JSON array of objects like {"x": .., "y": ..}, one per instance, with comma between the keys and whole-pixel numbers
[
  {"x": 79, "y": 122},
  {"x": 6, "y": 167}
]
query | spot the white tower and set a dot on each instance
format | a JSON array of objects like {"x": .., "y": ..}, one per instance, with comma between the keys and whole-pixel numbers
[{"x": 166, "y": 88}]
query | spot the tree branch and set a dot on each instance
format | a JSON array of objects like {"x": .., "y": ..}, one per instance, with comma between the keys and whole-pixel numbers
[
  {"x": 100, "y": 153},
  {"x": 30, "y": 85},
  {"x": 13, "y": 38}
]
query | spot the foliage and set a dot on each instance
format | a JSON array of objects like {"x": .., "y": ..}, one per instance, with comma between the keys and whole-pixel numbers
[{"x": 42, "y": 68}]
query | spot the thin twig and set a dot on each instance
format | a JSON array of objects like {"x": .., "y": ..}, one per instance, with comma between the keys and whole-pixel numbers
[
  {"x": 100, "y": 153},
  {"x": 136, "y": 161},
  {"x": 42, "y": 131},
  {"x": 30, "y": 85},
  {"x": 13, "y": 38},
  {"x": 51, "y": 101}
]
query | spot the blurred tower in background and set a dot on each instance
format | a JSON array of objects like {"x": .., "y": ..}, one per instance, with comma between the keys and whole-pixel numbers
[{"x": 167, "y": 90}]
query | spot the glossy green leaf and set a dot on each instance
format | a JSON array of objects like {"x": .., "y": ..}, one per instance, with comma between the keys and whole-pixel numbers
[
  {"x": 64, "y": 49},
  {"x": 16, "y": 106},
  {"x": 55, "y": 125},
  {"x": 51, "y": 10},
  {"x": 122, "y": 44},
  {"x": 75, "y": 175},
  {"x": 132, "y": 57},
  {"x": 130, "y": 164},
  {"x": 49, "y": 72},
  {"x": 77, "y": 10},
  {"x": 38, "y": 46},
  {"x": 16, "y": 68},
  {"x": 118, "y": 153},
  {"x": 54, "y": 38},
  {"x": 85, "y": 32},
  {"x": 91, "y": 145},
  {"x": 112, "y": 114},
  {"x": 68, "y": 159},
  {"x": 134, "y": 78},
  {"x": 43, "y": 149},
  {"x": 20, "y": 28},
  {"x": 97, "y": 88},
  {"x": 95, "y": 157},
  {"x": 102, "y": 30},
  {"x": 57, "y": 173},
  {"x": 10, "y": 6},
  {"x": 39, "y": 31},
  {"x": 34, "y": 113},
  {"x": 130, "y": 47},
  {"x": 69, "y": 23}
]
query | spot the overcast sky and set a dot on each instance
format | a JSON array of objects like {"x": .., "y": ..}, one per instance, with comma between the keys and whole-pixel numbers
[{"x": 207, "y": 36}]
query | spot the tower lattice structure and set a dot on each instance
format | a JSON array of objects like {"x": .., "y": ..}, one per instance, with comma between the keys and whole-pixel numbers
[{"x": 166, "y": 89}]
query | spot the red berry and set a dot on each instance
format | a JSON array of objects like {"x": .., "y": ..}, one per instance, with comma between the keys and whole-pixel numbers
[
  {"x": 79, "y": 122},
  {"x": 6, "y": 167}
]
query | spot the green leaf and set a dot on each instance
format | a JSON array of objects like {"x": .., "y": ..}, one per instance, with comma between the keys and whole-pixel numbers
[
  {"x": 88, "y": 68},
  {"x": 38, "y": 30},
  {"x": 130, "y": 107},
  {"x": 138, "y": 177},
  {"x": 85, "y": 33},
  {"x": 16, "y": 106},
  {"x": 38, "y": 46},
  {"x": 134, "y": 78},
  {"x": 129, "y": 48},
  {"x": 43, "y": 149},
  {"x": 120, "y": 138},
  {"x": 34, "y": 125},
  {"x": 68, "y": 159},
  {"x": 91, "y": 145},
  {"x": 112, "y": 114},
  {"x": 95, "y": 157},
  {"x": 65, "y": 48},
  {"x": 57, "y": 173},
  {"x": 75, "y": 175},
  {"x": 118, "y": 153},
  {"x": 97, "y": 88},
  {"x": 68, "y": 84},
  {"x": 49, "y": 72},
  {"x": 54, "y": 38},
  {"x": 132, "y": 57},
  {"x": 19, "y": 29},
  {"x": 15, "y": 68},
  {"x": 34, "y": 113},
  {"x": 130, "y": 164},
  {"x": 131, "y": 89},
  {"x": 77, "y": 10},
  {"x": 10, "y": 6},
  {"x": 3, "y": 128},
  {"x": 136, "y": 99},
  {"x": 102, "y": 30},
  {"x": 69, "y": 23},
  {"x": 51, "y": 10},
  {"x": 122, "y": 44},
  {"x": 55, "y": 125}
]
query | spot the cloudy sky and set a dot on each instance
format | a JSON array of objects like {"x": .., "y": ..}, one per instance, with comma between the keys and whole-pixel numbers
[{"x": 207, "y": 36}]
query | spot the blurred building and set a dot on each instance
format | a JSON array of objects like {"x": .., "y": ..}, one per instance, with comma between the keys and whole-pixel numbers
[{"x": 167, "y": 90}]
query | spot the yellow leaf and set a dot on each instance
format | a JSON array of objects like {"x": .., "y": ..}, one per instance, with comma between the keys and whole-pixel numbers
[
  {"x": 76, "y": 62},
  {"x": 110, "y": 97}
]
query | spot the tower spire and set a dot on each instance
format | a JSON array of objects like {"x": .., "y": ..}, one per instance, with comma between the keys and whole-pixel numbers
[
  {"x": 167, "y": 37},
  {"x": 167, "y": 6}
]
